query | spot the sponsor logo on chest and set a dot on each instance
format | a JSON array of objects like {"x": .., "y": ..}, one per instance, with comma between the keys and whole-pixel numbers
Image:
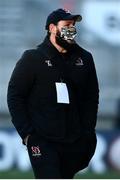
[{"x": 48, "y": 62}]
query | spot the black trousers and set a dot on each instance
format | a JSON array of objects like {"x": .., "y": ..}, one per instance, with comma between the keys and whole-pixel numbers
[{"x": 51, "y": 160}]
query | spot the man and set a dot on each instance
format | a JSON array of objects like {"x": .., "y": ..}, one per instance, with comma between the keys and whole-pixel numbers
[{"x": 53, "y": 101}]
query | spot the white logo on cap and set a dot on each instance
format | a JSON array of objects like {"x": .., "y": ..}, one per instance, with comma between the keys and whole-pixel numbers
[{"x": 67, "y": 11}]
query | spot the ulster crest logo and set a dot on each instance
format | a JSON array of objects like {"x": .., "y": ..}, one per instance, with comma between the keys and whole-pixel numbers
[
  {"x": 79, "y": 62},
  {"x": 36, "y": 151},
  {"x": 66, "y": 10}
]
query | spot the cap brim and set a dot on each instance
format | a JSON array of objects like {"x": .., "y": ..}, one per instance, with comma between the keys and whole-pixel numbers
[{"x": 77, "y": 18}]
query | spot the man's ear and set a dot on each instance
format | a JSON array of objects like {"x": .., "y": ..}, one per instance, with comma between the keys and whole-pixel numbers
[{"x": 52, "y": 28}]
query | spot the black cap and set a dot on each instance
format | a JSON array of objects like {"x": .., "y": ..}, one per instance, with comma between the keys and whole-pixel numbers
[{"x": 61, "y": 14}]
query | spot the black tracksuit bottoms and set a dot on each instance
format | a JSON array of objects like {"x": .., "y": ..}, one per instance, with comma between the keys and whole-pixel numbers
[{"x": 53, "y": 160}]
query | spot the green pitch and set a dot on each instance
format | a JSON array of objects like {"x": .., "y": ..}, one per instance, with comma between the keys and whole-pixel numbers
[{"x": 15, "y": 174}]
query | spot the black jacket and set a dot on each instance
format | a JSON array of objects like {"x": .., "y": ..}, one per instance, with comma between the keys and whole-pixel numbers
[{"x": 32, "y": 99}]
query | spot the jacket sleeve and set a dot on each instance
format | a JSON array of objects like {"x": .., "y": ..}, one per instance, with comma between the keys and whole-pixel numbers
[
  {"x": 19, "y": 88},
  {"x": 91, "y": 98}
]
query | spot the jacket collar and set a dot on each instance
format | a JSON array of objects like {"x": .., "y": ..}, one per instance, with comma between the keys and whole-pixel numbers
[{"x": 52, "y": 52}]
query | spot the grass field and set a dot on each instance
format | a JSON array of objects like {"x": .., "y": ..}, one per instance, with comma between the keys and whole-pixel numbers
[{"x": 15, "y": 174}]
